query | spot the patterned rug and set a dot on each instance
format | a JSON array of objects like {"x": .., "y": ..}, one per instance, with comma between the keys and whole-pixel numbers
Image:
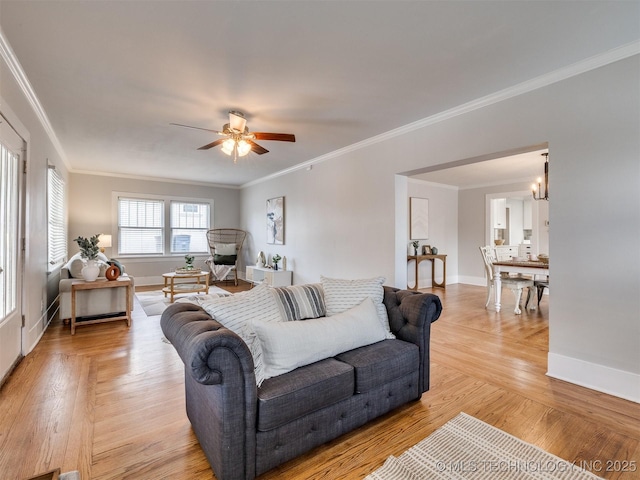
[
  {"x": 154, "y": 302},
  {"x": 467, "y": 448}
]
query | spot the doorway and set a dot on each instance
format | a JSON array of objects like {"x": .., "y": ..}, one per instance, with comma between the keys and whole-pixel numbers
[{"x": 11, "y": 148}]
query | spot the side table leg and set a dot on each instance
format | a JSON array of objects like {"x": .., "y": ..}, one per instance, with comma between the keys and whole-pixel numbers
[
  {"x": 129, "y": 304},
  {"x": 73, "y": 311}
]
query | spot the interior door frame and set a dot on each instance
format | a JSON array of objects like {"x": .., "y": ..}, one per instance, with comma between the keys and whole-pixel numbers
[{"x": 20, "y": 149}]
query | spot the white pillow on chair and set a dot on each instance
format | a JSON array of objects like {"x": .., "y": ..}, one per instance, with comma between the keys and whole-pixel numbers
[{"x": 225, "y": 249}]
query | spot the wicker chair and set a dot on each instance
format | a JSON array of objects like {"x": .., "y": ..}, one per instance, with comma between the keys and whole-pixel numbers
[{"x": 220, "y": 240}]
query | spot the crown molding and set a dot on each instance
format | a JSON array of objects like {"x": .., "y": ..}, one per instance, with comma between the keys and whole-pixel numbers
[
  {"x": 21, "y": 79},
  {"x": 153, "y": 179},
  {"x": 564, "y": 73},
  {"x": 578, "y": 68}
]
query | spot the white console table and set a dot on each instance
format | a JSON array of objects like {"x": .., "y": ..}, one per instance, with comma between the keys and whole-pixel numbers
[{"x": 275, "y": 278}]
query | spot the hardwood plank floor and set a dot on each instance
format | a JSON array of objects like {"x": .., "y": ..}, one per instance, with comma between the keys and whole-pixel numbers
[{"x": 109, "y": 401}]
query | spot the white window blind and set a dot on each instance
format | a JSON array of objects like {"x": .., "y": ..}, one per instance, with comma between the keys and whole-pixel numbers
[
  {"x": 189, "y": 225},
  {"x": 140, "y": 226},
  {"x": 57, "y": 227}
]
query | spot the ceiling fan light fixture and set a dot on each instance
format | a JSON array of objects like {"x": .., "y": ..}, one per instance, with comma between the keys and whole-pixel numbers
[
  {"x": 228, "y": 146},
  {"x": 237, "y": 121},
  {"x": 244, "y": 148}
]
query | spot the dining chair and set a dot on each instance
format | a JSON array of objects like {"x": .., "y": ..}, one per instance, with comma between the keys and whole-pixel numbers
[
  {"x": 539, "y": 286},
  {"x": 515, "y": 284}
]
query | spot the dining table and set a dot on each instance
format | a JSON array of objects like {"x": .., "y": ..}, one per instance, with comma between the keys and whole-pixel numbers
[{"x": 528, "y": 267}]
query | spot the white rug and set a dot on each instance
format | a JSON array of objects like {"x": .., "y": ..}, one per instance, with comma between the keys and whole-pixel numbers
[
  {"x": 467, "y": 448},
  {"x": 154, "y": 302}
]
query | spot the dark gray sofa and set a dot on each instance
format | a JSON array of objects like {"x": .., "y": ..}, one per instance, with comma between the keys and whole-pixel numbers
[{"x": 246, "y": 431}]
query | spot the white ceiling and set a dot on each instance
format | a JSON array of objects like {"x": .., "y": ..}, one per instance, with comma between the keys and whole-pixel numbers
[{"x": 112, "y": 75}]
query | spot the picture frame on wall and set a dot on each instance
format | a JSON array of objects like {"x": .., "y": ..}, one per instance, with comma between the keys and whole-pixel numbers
[
  {"x": 275, "y": 221},
  {"x": 418, "y": 218}
]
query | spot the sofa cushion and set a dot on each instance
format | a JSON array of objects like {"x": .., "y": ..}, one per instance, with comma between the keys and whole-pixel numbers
[
  {"x": 381, "y": 363},
  {"x": 306, "y": 389},
  {"x": 299, "y": 302},
  {"x": 341, "y": 295},
  {"x": 288, "y": 345},
  {"x": 235, "y": 311}
]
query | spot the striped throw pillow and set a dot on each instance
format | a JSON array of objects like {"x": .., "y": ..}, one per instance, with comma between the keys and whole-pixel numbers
[
  {"x": 300, "y": 302},
  {"x": 236, "y": 311},
  {"x": 341, "y": 295}
]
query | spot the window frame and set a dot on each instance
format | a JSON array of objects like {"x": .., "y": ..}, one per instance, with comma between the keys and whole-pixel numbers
[
  {"x": 56, "y": 185},
  {"x": 166, "y": 229}
]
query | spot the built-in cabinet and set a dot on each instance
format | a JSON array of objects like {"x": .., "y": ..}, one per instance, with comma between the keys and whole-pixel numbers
[{"x": 499, "y": 212}]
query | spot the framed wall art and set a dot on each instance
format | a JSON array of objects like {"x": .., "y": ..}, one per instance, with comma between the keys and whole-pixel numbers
[
  {"x": 419, "y": 218},
  {"x": 275, "y": 221}
]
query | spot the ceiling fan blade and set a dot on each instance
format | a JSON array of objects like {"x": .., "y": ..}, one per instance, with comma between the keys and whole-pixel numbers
[
  {"x": 197, "y": 128},
  {"x": 212, "y": 144},
  {"x": 257, "y": 148},
  {"x": 280, "y": 137}
]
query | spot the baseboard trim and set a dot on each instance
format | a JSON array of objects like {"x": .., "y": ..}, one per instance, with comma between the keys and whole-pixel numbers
[{"x": 611, "y": 381}]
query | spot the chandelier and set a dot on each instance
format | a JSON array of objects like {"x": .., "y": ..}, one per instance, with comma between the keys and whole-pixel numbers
[{"x": 536, "y": 190}]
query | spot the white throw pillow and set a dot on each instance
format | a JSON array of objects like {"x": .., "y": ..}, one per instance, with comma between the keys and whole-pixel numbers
[
  {"x": 289, "y": 345},
  {"x": 225, "y": 249},
  {"x": 341, "y": 295},
  {"x": 235, "y": 311}
]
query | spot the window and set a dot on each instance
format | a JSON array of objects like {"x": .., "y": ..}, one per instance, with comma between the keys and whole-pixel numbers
[
  {"x": 140, "y": 226},
  {"x": 142, "y": 222},
  {"x": 56, "y": 226},
  {"x": 189, "y": 225}
]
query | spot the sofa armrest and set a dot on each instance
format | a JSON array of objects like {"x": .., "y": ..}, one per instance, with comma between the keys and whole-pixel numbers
[
  {"x": 220, "y": 385},
  {"x": 203, "y": 343},
  {"x": 410, "y": 317}
]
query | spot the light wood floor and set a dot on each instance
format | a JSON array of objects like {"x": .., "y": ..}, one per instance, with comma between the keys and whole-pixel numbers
[{"x": 109, "y": 402}]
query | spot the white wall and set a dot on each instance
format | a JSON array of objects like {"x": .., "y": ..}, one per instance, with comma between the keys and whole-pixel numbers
[
  {"x": 91, "y": 212},
  {"x": 340, "y": 216},
  {"x": 443, "y": 231},
  {"x": 40, "y": 151}
]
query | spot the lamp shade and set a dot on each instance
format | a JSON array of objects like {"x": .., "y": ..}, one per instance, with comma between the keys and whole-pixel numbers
[{"x": 104, "y": 241}]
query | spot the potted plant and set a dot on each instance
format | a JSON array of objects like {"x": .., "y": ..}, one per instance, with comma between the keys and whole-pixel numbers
[
  {"x": 276, "y": 258},
  {"x": 188, "y": 258},
  {"x": 89, "y": 253},
  {"x": 415, "y": 244}
]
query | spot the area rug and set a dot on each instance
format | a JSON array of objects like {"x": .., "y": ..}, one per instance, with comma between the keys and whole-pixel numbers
[
  {"x": 467, "y": 448},
  {"x": 154, "y": 302}
]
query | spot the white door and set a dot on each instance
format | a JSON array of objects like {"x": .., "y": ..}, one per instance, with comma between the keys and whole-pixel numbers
[{"x": 10, "y": 252}]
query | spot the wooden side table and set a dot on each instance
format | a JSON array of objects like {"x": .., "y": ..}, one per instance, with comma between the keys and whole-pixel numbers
[
  {"x": 173, "y": 288},
  {"x": 121, "y": 282},
  {"x": 432, "y": 258}
]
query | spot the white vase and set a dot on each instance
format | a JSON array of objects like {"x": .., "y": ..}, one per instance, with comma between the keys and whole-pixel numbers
[{"x": 90, "y": 271}]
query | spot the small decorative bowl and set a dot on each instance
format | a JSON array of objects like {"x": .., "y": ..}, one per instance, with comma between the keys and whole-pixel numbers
[
  {"x": 499, "y": 241},
  {"x": 543, "y": 258}
]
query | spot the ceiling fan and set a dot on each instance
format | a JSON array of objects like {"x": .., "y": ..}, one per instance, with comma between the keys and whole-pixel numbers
[{"x": 239, "y": 141}]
